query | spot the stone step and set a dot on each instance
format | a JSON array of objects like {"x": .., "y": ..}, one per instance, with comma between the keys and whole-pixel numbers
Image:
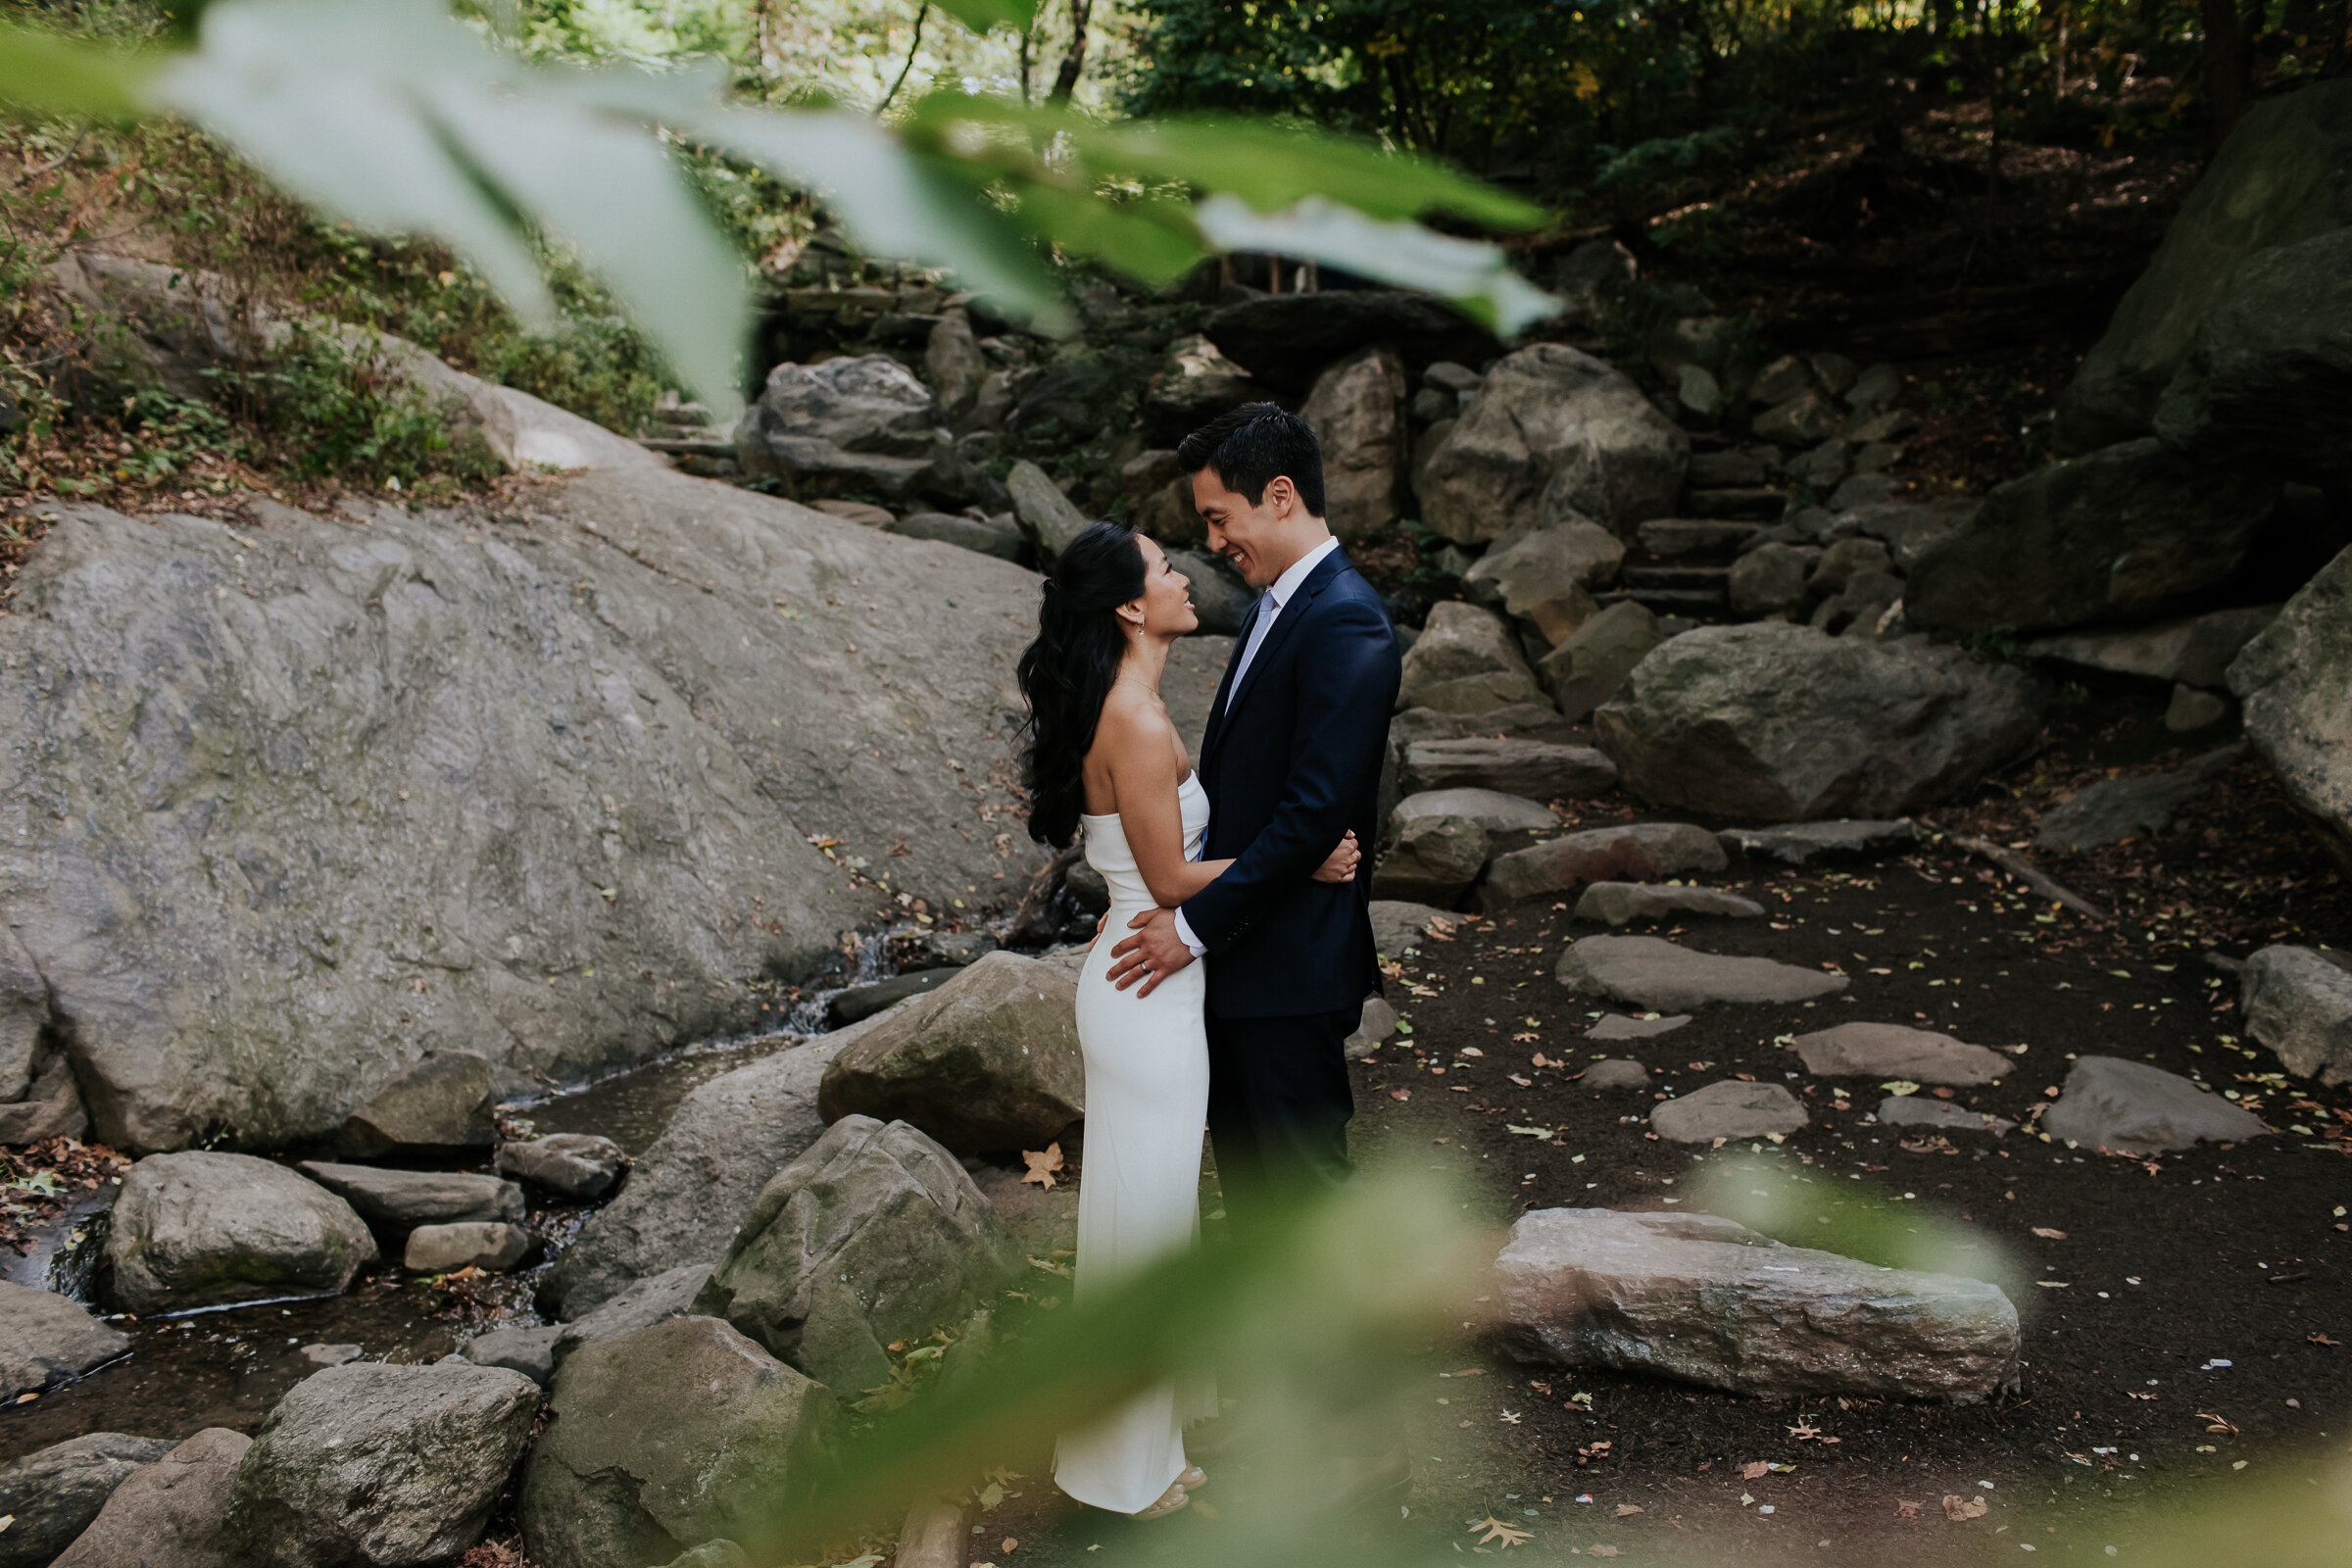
[
  {"x": 1696, "y": 601},
  {"x": 1688, "y": 536},
  {"x": 687, "y": 447},
  {"x": 1757, "y": 501},
  {"x": 1711, "y": 579}
]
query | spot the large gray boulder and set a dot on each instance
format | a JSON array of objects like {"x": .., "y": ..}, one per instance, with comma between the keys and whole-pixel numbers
[
  {"x": 1465, "y": 661},
  {"x": 679, "y": 1434},
  {"x": 2192, "y": 651},
  {"x": 51, "y": 1495},
  {"x": 1535, "y": 770},
  {"x": 1356, "y": 411},
  {"x": 1664, "y": 977},
  {"x": 2292, "y": 680},
  {"x": 547, "y": 774},
  {"x": 2298, "y": 1001},
  {"x": 987, "y": 1063},
  {"x": 866, "y": 423},
  {"x": 441, "y": 1106},
  {"x": 655, "y": 1299},
  {"x": 2280, "y": 178},
  {"x": 691, "y": 1188},
  {"x": 198, "y": 1229},
  {"x": 580, "y": 1166},
  {"x": 1284, "y": 339},
  {"x": 2133, "y": 1108},
  {"x": 493, "y": 1246},
  {"x": 45, "y": 1337},
  {"x": 1707, "y": 1300},
  {"x": 378, "y": 1466},
  {"x": 1552, "y": 430},
  {"x": 2129, "y": 532},
  {"x": 38, "y": 1098},
  {"x": 168, "y": 1514},
  {"x": 1772, "y": 722},
  {"x": 2116, "y": 809},
  {"x": 401, "y": 1200},
  {"x": 1635, "y": 852},
  {"x": 1541, "y": 575},
  {"x": 1864, "y": 1049},
  {"x": 1192, "y": 385},
  {"x": 2271, "y": 374},
  {"x": 1048, "y": 516},
  {"x": 1437, "y": 841},
  {"x": 874, "y": 1234},
  {"x": 1587, "y": 668}
]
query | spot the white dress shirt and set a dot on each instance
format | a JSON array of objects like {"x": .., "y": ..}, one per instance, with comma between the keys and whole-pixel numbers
[{"x": 1267, "y": 610}]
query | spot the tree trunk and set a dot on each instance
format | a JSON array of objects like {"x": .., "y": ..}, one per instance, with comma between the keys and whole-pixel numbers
[
  {"x": 1066, "y": 81},
  {"x": 2226, "y": 64}
]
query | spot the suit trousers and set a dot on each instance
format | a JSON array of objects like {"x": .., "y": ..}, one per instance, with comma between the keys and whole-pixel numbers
[{"x": 1279, "y": 1104}]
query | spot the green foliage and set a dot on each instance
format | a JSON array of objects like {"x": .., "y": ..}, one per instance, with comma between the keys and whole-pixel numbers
[{"x": 338, "y": 409}]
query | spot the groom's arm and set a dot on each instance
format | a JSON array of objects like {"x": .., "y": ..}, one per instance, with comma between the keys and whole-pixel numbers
[{"x": 1347, "y": 690}]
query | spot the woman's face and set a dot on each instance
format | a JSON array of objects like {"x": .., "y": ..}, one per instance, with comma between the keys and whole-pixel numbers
[{"x": 1167, "y": 596}]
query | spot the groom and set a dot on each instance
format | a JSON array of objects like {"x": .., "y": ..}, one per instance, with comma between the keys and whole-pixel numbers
[{"x": 1291, "y": 760}]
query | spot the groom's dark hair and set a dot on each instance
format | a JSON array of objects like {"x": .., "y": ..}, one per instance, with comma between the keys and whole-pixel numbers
[{"x": 1252, "y": 447}]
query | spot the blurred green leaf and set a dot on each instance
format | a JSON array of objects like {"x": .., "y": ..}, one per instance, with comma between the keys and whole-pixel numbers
[
  {"x": 1856, "y": 1220},
  {"x": 1475, "y": 275},
  {"x": 1156, "y": 241},
  {"x": 47, "y": 73},
  {"x": 982, "y": 15}
]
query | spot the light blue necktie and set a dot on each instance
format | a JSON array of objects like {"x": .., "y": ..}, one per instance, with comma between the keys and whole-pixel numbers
[{"x": 1264, "y": 613}]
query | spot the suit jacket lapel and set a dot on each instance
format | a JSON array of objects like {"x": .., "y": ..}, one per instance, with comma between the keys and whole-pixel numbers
[
  {"x": 1214, "y": 729},
  {"x": 1284, "y": 623}
]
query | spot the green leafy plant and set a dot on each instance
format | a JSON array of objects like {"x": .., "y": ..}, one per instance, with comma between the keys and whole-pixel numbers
[{"x": 339, "y": 409}]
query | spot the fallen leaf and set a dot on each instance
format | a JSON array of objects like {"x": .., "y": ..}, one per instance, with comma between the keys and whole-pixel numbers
[
  {"x": 1601, "y": 1551},
  {"x": 2320, "y": 1338},
  {"x": 1541, "y": 1061},
  {"x": 1959, "y": 1509},
  {"x": 1042, "y": 1166},
  {"x": 2049, "y": 1234},
  {"x": 1804, "y": 1431},
  {"x": 1498, "y": 1533},
  {"x": 1905, "y": 1510},
  {"x": 1401, "y": 1094},
  {"x": 1625, "y": 1510},
  {"x": 1009, "y": 1544},
  {"x": 1528, "y": 1132},
  {"x": 990, "y": 1495},
  {"x": 1754, "y": 1472}
]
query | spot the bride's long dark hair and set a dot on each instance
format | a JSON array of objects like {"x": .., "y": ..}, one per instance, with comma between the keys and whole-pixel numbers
[{"x": 1067, "y": 671}]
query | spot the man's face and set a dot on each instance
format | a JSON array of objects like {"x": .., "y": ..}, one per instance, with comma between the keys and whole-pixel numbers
[{"x": 1243, "y": 532}]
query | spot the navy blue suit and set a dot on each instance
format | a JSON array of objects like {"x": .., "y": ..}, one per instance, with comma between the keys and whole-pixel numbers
[{"x": 1292, "y": 760}]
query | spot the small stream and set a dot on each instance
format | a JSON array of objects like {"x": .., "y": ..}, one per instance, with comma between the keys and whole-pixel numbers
[{"x": 229, "y": 1367}]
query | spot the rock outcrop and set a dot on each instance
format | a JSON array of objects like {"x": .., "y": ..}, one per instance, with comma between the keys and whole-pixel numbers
[
  {"x": 987, "y": 1063},
  {"x": 1772, "y": 722},
  {"x": 2129, "y": 533},
  {"x": 2292, "y": 680},
  {"x": 536, "y": 784},
  {"x": 874, "y": 1234},
  {"x": 580, "y": 1166},
  {"x": 1709, "y": 1301},
  {"x": 402, "y": 1199},
  {"x": 198, "y": 1229},
  {"x": 1465, "y": 661},
  {"x": 45, "y": 1337},
  {"x": 441, "y": 1106},
  {"x": 691, "y": 1188},
  {"x": 379, "y": 1466},
  {"x": 670, "y": 1437},
  {"x": 1553, "y": 431},
  {"x": 50, "y": 1497},
  {"x": 1356, "y": 411},
  {"x": 1637, "y": 852},
  {"x": 2298, "y": 1001},
  {"x": 2280, "y": 178}
]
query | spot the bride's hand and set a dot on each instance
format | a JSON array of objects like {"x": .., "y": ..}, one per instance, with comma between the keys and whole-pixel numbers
[{"x": 1341, "y": 866}]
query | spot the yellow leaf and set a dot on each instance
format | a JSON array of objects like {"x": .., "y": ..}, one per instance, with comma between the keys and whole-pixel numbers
[
  {"x": 1042, "y": 1166},
  {"x": 1959, "y": 1509},
  {"x": 1508, "y": 1536}
]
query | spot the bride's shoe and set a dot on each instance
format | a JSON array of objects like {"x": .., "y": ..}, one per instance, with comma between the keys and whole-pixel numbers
[
  {"x": 1170, "y": 1502},
  {"x": 1193, "y": 1479}
]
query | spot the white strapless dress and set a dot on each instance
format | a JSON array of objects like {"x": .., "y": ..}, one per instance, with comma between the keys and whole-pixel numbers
[{"x": 1146, "y": 1104}]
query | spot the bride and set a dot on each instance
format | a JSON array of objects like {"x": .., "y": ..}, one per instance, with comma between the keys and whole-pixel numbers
[{"x": 1104, "y": 758}]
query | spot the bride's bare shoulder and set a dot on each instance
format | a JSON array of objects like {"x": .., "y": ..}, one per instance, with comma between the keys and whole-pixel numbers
[{"x": 1132, "y": 717}]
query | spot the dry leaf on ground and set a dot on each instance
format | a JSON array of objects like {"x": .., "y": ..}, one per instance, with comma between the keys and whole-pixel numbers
[
  {"x": 2049, "y": 1234},
  {"x": 1755, "y": 1471},
  {"x": 1042, "y": 1166},
  {"x": 1625, "y": 1510},
  {"x": 1959, "y": 1509},
  {"x": 1508, "y": 1536},
  {"x": 1905, "y": 1510}
]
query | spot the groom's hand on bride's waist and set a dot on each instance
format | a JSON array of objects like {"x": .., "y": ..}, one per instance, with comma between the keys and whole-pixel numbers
[{"x": 1154, "y": 953}]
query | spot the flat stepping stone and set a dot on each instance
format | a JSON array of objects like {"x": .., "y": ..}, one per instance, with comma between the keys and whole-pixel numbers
[
  {"x": 1897, "y": 1050},
  {"x": 1400, "y": 923},
  {"x": 1635, "y": 852},
  {"x": 1615, "y": 1073},
  {"x": 50, "y": 1337},
  {"x": 1617, "y": 1026},
  {"x": 1688, "y": 536},
  {"x": 1661, "y": 977},
  {"x": 1919, "y": 1110},
  {"x": 400, "y": 1199},
  {"x": 1729, "y": 1110},
  {"x": 2298, "y": 1001},
  {"x": 1535, "y": 770},
  {"x": 1802, "y": 843},
  {"x": 1707, "y": 1300},
  {"x": 1616, "y": 903},
  {"x": 2116, "y": 809},
  {"x": 2133, "y": 1108}
]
